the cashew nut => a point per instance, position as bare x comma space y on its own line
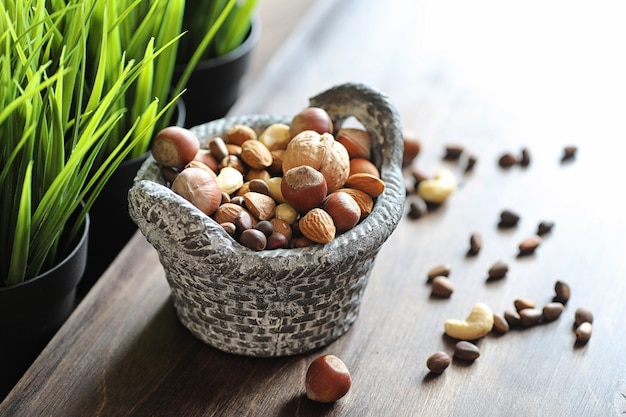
438, 189
477, 324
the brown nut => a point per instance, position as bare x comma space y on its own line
200, 188
260, 205
318, 226
362, 165
303, 187
321, 152
466, 351
174, 147
275, 136
255, 154
368, 183
365, 202
438, 362
238, 134
311, 118
343, 209
327, 379
442, 287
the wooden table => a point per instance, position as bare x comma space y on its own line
491, 76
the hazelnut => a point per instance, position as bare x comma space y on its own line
175, 147
343, 209
311, 118
327, 379
303, 187
200, 188
363, 166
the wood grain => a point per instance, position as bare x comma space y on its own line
487, 76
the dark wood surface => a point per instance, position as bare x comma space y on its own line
491, 76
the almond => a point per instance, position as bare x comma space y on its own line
227, 212
367, 183
260, 205
255, 154
318, 226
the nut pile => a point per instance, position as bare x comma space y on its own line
283, 187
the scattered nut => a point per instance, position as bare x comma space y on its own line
476, 244
523, 303
438, 362
544, 227
530, 316
552, 311
497, 271
529, 245
500, 324
327, 379
582, 315
466, 351
583, 332
508, 219
507, 160
477, 324
439, 270
442, 287
438, 189
453, 152
562, 292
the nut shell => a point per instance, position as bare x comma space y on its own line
321, 152
318, 226
327, 379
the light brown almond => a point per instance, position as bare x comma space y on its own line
367, 183
260, 205
318, 226
255, 154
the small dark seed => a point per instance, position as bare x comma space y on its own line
230, 228
583, 332
523, 303
530, 316
562, 292
266, 227
277, 240
569, 153
476, 243
498, 270
508, 219
453, 152
529, 245
513, 318
524, 158
442, 287
552, 311
439, 270
242, 222
416, 209
438, 362
500, 324
583, 315
544, 228
466, 351
259, 186
507, 160
253, 239
471, 162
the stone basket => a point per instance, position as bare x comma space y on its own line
274, 302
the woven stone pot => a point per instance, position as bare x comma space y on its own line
273, 302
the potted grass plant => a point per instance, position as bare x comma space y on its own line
57, 115
140, 27
213, 83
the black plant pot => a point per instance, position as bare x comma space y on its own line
33, 311
111, 225
214, 85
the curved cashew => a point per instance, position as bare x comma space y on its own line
477, 324
438, 189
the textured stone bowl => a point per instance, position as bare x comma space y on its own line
274, 302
